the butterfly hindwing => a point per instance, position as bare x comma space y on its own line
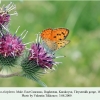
61, 44
50, 45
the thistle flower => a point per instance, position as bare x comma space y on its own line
11, 47
39, 54
5, 16
38, 59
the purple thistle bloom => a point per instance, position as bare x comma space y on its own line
39, 54
4, 14
11, 45
4, 18
37, 61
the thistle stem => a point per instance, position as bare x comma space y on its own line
10, 75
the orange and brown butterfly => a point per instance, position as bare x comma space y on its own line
55, 38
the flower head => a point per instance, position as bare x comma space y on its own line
39, 54
38, 59
11, 45
4, 18
4, 14
11, 48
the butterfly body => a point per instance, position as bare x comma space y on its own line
55, 38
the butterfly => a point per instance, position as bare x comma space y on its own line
54, 39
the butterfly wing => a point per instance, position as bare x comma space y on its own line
55, 34
50, 45
46, 34
61, 44
55, 38
59, 34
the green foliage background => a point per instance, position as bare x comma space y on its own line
81, 66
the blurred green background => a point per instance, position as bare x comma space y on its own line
81, 66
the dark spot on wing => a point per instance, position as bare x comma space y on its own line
60, 39
64, 36
63, 33
58, 34
61, 46
54, 36
59, 43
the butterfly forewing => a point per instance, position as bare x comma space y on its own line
46, 34
59, 34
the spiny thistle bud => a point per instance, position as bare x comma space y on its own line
11, 47
5, 16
